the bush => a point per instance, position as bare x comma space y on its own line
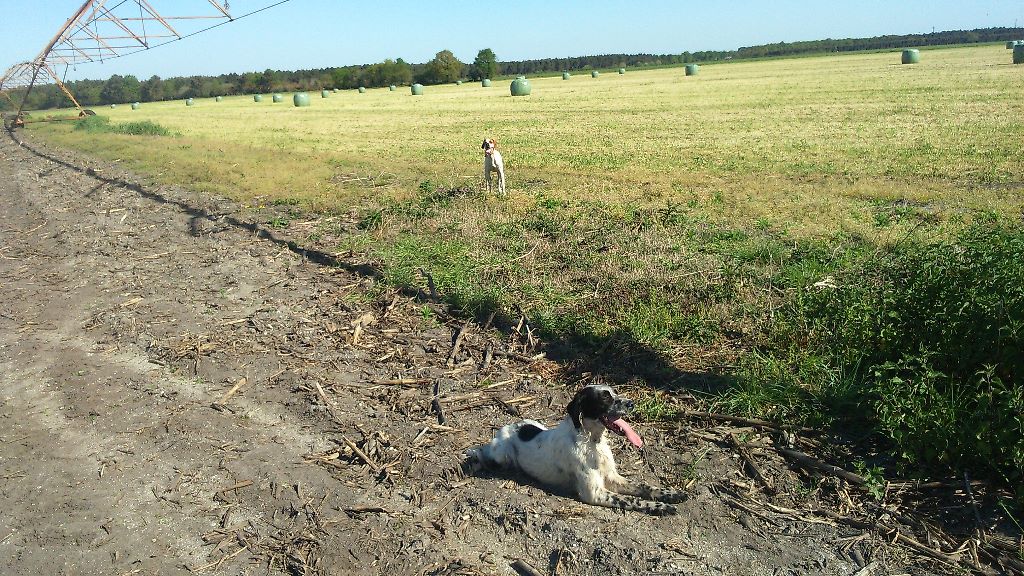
928, 339
101, 124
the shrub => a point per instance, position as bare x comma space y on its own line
928, 339
101, 124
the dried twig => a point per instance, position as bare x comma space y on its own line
810, 462
435, 403
430, 283
518, 356
362, 455
238, 385
746, 421
458, 342
523, 568
755, 470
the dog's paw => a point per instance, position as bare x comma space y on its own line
471, 463
672, 497
662, 509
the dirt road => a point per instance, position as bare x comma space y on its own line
184, 391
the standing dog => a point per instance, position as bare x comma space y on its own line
574, 456
493, 163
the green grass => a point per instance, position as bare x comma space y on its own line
789, 227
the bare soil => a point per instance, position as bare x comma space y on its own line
128, 312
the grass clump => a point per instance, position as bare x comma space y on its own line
101, 124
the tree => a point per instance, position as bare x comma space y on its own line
445, 67
132, 89
113, 90
485, 65
152, 90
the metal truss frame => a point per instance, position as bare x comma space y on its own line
100, 30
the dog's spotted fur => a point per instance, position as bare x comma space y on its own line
574, 456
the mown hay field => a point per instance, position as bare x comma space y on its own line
807, 145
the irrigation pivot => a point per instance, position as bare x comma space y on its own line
100, 30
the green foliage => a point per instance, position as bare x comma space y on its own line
875, 479
444, 68
484, 66
929, 340
101, 124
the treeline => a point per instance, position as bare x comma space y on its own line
445, 67
882, 42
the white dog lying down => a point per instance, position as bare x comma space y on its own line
574, 456
493, 163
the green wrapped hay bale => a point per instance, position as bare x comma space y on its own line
257, 98
300, 99
189, 102
520, 87
277, 98
113, 105
362, 90
135, 105
595, 74
392, 87
485, 83
417, 89
458, 82
911, 56
565, 76
692, 69
622, 70
324, 93
219, 98
335, 90
1018, 53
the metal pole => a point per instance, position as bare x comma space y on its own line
40, 60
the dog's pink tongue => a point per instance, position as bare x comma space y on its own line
631, 434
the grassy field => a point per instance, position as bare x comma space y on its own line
805, 145
791, 228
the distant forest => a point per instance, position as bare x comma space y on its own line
445, 68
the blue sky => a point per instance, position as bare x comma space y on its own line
325, 33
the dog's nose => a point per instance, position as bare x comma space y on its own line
625, 405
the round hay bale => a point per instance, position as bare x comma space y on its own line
911, 56
392, 88
325, 93
1018, 53
257, 97
520, 87
335, 90
458, 82
300, 99
113, 105
277, 98
594, 74
485, 83
135, 105
566, 76
622, 70
692, 69
189, 102
417, 89
362, 90
219, 98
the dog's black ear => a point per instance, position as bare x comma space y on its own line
575, 410
484, 145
